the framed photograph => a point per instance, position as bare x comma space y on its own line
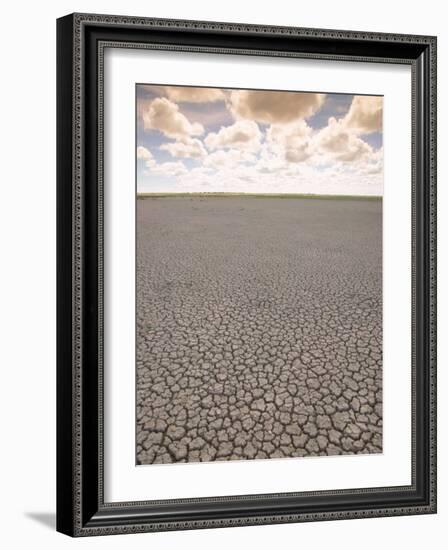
246, 274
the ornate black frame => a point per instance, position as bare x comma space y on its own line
81, 39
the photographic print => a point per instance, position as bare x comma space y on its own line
259, 274
240, 275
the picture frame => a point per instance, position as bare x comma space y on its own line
81, 506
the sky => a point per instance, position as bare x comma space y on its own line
192, 139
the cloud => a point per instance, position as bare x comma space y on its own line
298, 154
270, 163
365, 115
203, 105
144, 154
293, 140
264, 142
215, 116
247, 178
188, 148
225, 174
168, 169
374, 163
228, 158
244, 134
274, 107
340, 143
188, 94
163, 115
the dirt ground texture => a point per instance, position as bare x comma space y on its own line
259, 328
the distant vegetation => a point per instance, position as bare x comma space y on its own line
259, 196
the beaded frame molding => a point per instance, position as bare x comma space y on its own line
81, 40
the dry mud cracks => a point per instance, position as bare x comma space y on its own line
259, 328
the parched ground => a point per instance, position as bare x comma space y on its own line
259, 328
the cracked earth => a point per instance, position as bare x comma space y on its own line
259, 328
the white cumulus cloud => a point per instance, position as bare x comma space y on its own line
188, 148
340, 143
176, 168
244, 134
365, 115
274, 107
164, 115
191, 94
228, 158
265, 142
293, 140
145, 154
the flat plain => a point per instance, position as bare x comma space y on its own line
259, 327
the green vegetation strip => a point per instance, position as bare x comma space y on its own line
258, 196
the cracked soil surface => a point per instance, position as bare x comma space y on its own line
259, 328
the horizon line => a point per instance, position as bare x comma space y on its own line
260, 195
